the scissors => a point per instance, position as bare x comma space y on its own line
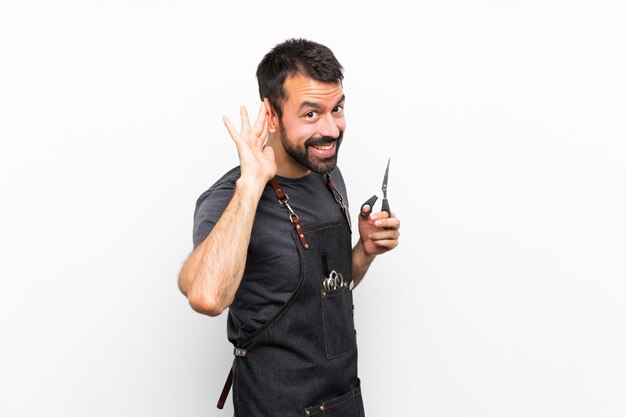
373, 199
334, 281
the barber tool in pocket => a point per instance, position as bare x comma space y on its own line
333, 281
373, 199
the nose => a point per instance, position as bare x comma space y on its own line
328, 126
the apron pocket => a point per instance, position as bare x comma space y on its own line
339, 334
347, 405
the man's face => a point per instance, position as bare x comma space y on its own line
312, 124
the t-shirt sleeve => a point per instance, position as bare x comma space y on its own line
209, 208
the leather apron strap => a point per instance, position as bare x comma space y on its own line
229, 380
225, 390
293, 217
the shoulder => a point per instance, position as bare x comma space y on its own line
335, 174
212, 203
225, 186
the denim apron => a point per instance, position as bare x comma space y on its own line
303, 362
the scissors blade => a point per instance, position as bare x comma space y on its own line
384, 187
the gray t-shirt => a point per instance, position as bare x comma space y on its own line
273, 268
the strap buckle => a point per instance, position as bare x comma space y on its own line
242, 353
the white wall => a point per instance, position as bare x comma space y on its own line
505, 126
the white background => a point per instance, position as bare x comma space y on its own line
505, 123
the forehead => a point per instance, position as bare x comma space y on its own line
300, 89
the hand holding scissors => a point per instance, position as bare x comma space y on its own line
369, 204
379, 232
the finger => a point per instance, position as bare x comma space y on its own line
384, 235
245, 121
262, 137
388, 244
268, 107
231, 129
368, 204
266, 128
390, 223
380, 215
257, 129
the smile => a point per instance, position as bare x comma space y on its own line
324, 150
325, 147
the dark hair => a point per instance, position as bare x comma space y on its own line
295, 57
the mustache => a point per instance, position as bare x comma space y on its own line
323, 140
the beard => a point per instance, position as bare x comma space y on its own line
302, 156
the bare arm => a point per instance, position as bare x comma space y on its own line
212, 273
379, 233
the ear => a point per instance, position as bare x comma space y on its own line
273, 122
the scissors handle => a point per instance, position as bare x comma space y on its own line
370, 203
385, 207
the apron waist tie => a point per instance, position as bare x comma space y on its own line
225, 390
229, 380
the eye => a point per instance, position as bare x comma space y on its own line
309, 115
338, 109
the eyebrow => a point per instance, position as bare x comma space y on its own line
316, 106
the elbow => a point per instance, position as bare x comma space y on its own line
202, 298
205, 305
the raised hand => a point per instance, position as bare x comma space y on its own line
257, 161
